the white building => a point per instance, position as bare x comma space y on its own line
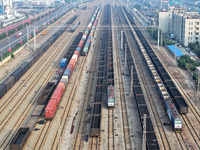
184, 25
7, 6
164, 21
42, 2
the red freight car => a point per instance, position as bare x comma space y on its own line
57, 96
50, 109
62, 84
73, 62
77, 53
70, 66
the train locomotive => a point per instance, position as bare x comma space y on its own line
111, 96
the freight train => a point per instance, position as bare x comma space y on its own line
7, 84
170, 108
139, 96
23, 133
65, 71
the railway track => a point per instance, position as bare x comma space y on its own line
190, 120
192, 131
41, 66
161, 133
189, 137
57, 134
122, 93
181, 141
81, 127
60, 130
111, 141
94, 143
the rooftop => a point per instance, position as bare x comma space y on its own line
175, 50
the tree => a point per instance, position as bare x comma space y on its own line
12, 55
182, 63
195, 75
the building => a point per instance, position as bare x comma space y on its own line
42, 2
183, 25
7, 7
164, 21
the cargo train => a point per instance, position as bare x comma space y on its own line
169, 106
171, 110
20, 71
66, 72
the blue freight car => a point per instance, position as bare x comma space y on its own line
63, 63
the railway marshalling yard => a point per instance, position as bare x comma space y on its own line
82, 119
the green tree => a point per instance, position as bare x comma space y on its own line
181, 63
195, 75
12, 55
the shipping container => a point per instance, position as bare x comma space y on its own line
64, 79
80, 45
87, 44
82, 42
73, 62
63, 63
50, 109
85, 49
62, 85
78, 49
67, 72
84, 37
61, 88
85, 34
75, 56
70, 66
57, 95
77, 53
89, 40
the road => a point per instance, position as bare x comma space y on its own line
13, 40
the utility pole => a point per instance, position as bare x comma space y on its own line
144, 133
121, 39
127, 3
161, 4
27, 39
131, 92
198, 86
158, 37
161, 38
126, 55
